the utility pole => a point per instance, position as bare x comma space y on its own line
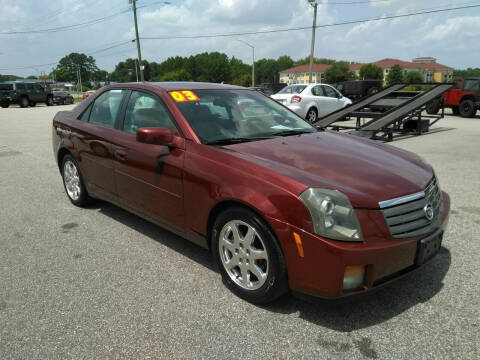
312, 47
134, 7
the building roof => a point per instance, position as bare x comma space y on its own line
306, 68
388, 63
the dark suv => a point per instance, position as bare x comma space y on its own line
357, 89
24, 94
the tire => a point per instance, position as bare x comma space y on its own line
64, 102
264, 278
311, 116
432, 107
5, 104
455, 110
73, 182
373, 90
32, 103
49, 101
24, 102
467, 108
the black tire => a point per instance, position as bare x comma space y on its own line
5, 104
24, 102
455, 110
467, 108
373, 90
311, 115
49, 101
64, 102
83, 198
432, 107
32, 103
275, 283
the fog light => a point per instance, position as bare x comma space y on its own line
353, 277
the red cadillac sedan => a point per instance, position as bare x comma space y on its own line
281, 205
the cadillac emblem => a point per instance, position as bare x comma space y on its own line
429, 213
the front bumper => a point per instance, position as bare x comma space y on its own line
320, 272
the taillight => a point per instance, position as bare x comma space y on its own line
295, 99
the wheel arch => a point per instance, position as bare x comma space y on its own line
467, 97
60, 155
226, 204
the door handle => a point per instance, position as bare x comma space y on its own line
121, 155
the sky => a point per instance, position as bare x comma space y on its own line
450, 37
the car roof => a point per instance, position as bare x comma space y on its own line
181, 85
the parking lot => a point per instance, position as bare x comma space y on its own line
102, 283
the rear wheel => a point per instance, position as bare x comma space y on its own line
311, 115
24, 102
73, 182
49, 101
5, 104
248, 256
467, 108
432, 107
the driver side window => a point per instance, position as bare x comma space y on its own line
145, 110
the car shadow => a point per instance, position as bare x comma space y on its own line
157, 233
369, 309
344, 315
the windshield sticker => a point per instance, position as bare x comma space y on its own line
183, 96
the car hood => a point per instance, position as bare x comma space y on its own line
365, 171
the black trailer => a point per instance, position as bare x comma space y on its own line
396, 110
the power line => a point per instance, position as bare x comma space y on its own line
66, 27
307, 27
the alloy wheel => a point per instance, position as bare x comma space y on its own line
71, 179
243, 255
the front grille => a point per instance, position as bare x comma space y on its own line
406, 216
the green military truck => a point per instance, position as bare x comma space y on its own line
24, 94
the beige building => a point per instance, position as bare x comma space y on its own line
427, 66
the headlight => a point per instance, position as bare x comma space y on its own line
332, 214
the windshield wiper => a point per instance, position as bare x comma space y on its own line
236, 140
292, 132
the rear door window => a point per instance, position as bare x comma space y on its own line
317, 91
329, 91
146, 110
105, 108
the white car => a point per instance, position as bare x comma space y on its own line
311, 101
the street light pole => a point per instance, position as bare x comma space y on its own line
134, 7
253, 59
312, 46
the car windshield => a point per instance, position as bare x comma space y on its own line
237, 116
292, 89
6, 87
471, 85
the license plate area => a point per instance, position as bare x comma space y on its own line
428, 247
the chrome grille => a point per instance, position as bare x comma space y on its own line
406, 216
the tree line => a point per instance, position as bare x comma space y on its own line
217, 67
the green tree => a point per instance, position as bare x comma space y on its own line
266, 71
316, 60
31, 77
125, 71
395, 75
240, 72
371, 72
284, 62
177, 75
466, 73
414, 77
68, 66
339, 71
9, 77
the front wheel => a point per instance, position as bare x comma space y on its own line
73, 182
24, 102
5, 104
248, 256
467, 108
311, 115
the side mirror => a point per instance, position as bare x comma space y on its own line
159, 136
